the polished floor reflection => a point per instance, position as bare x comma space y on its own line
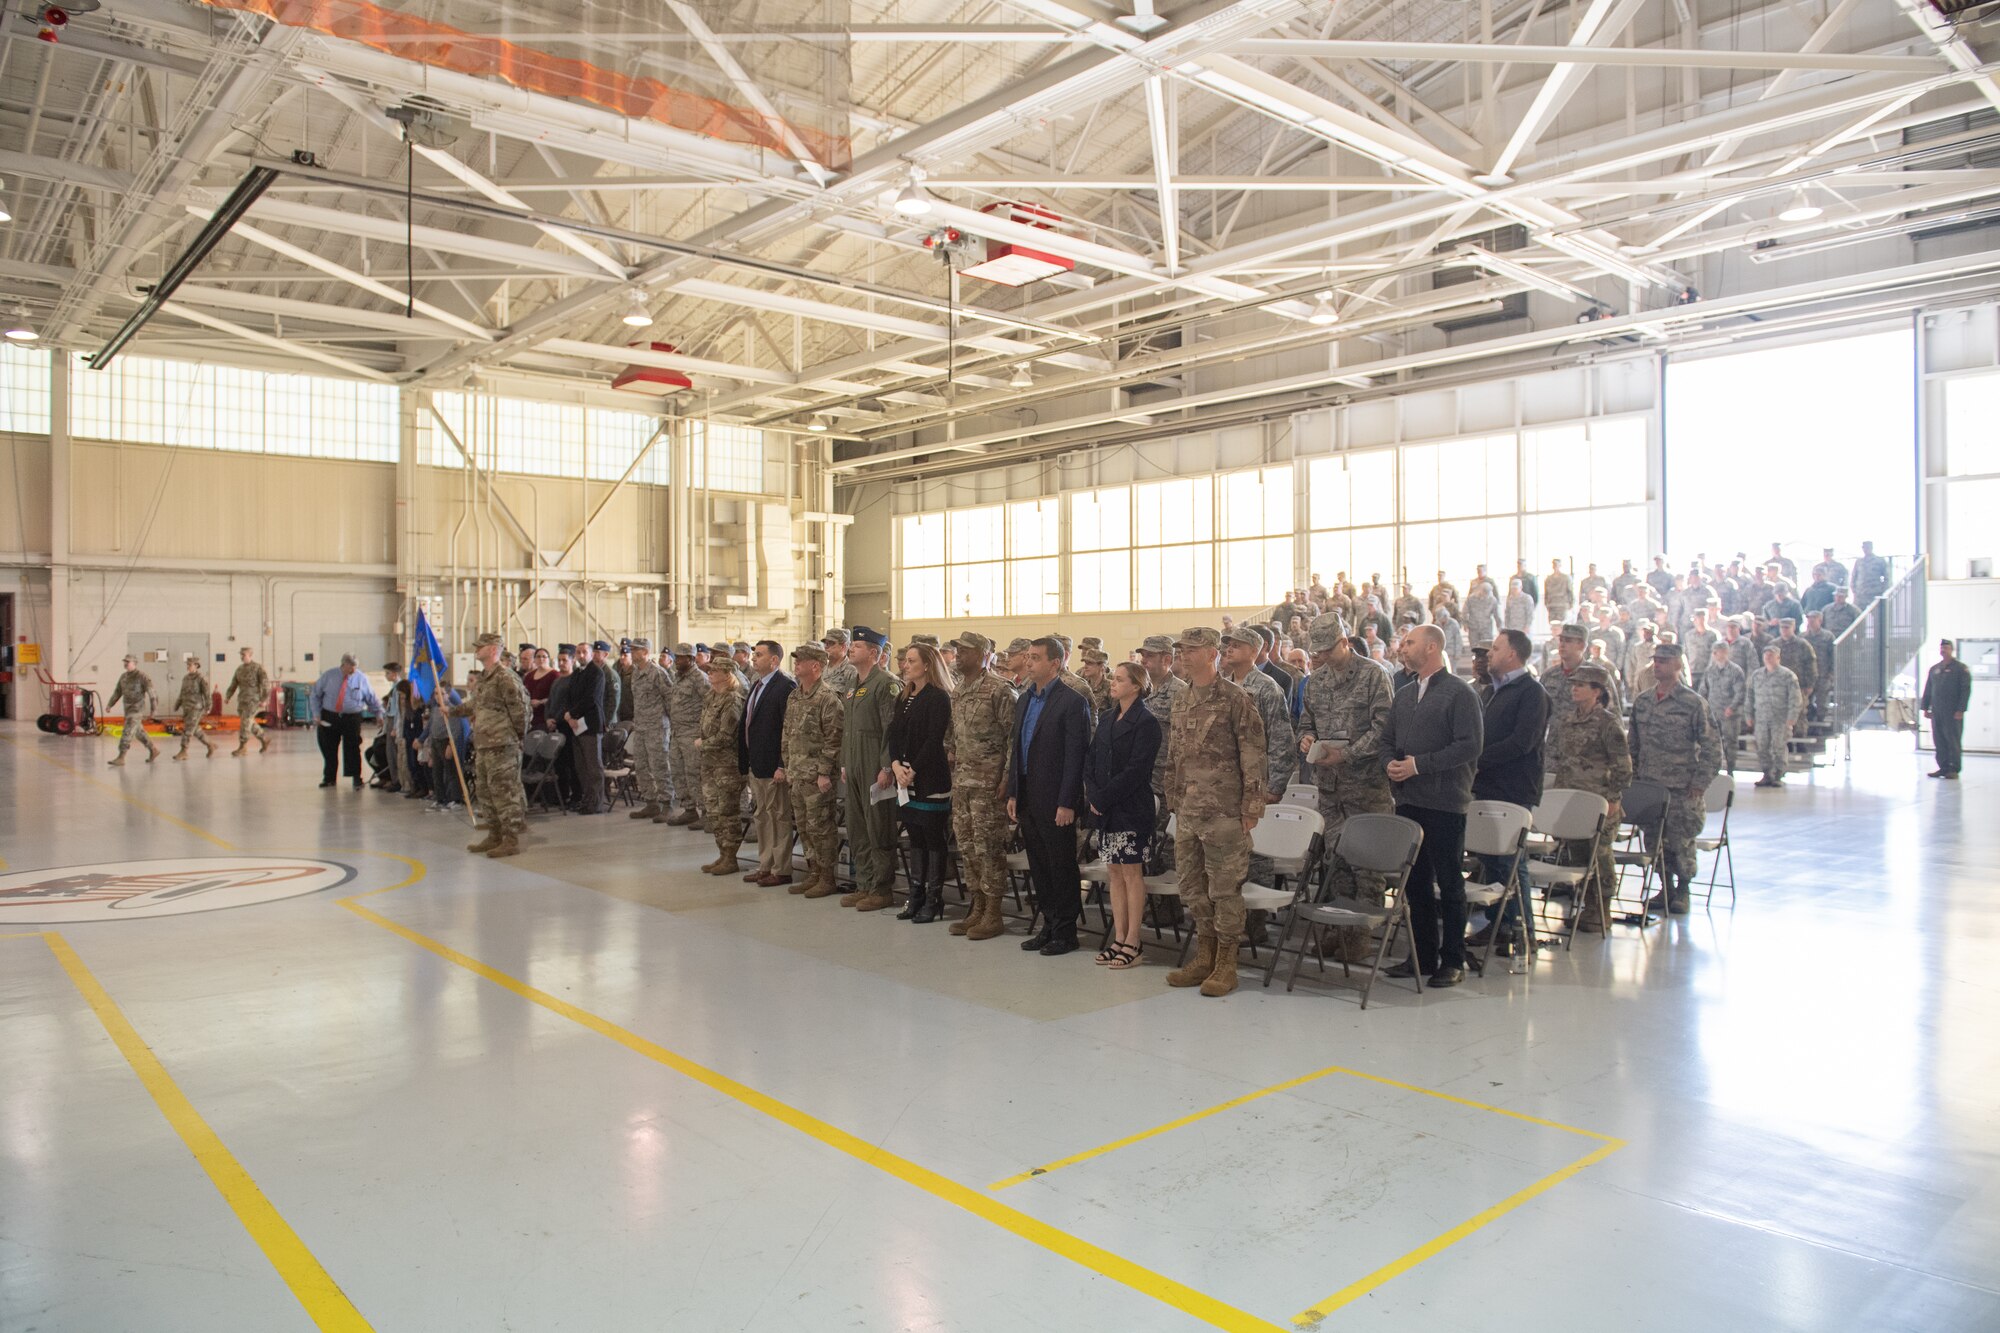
592, 1089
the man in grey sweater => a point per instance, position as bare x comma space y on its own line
1432, 742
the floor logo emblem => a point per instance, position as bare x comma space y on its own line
123, 890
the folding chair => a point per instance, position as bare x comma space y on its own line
1566, 815
1499, 828
1722, 792
1384, 845
619, 779
1641, 842
1302, 793
538, 762
1290, 838
1166, 884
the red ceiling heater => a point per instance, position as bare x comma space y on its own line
654, 380
1013, 265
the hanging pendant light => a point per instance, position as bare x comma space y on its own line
1323, 311
636, 313
1800, 209
1022, 378
18, 328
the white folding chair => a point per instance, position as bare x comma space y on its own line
1302, 793
1167, 885
1722, 793
1499, 828
1384, 845
1566, 815
1641, 841
1289, 836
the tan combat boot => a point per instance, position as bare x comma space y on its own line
509, 846
1223, 979
849, 899
973, 911
119, 762
485, 844
875, 902
646, 811
723, 864
263, 744
241, 746
822, 887
988, 923
183, 754
1200, 966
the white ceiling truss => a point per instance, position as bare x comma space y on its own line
1221, 171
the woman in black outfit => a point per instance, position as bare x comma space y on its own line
1118, 783
917, 737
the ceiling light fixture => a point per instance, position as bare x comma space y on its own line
1023, 378
1323, 311
817, 425
911, 200
636, 313
1800, 209
5, 216
18, 329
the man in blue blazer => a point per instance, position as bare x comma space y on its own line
1045, 792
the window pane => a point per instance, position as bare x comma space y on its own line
1558, 464
1032, 528
1100, 520
1374, 550
1173, 511
1971, 428
1969, 507
1618, 463
1420, 483
1033, 587
24, 389
922, 539
1174, 578
1257, 503
977, 534
923, 595
978, 590
1101, 582
1255, 573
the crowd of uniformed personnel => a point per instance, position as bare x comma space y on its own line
1345, 686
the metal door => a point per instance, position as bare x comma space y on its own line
161, 657
1982, 715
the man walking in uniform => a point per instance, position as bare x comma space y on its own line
1216, 774
134, 693
499, 712
982, 731
864, 767
1947, 691
193, 706
250, 687
1674, 743
651, 691
811, 753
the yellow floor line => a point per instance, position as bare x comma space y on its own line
23, 935
1200, 1305
321, 1296
133, 801
1186, 1120
1354, 1291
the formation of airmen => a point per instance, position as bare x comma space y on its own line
133, 695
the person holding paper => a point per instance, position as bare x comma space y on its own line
864, 770
583, 718
1340, 742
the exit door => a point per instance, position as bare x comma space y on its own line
1982, 715
163, 658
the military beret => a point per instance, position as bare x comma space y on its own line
1667, 649
978, 643
647, 644
683, 650
862, 634
1200, 636
835, 636
811, 652
492, 641
701, 648
599, 645
1246, 635
1157, 643
1592, 675
1322, 638
569, 648
1573, 632
1019, 646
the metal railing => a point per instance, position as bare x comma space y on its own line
1877, 647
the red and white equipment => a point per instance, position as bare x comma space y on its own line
653, 379
1013, 265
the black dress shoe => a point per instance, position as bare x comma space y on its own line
1936, 773
1951, 777
1447, 976
1402, 971
327, 783
1060, 945
1036, 942
357, 784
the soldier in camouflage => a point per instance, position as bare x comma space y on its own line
982, 736
1216, 770
810, 755
722, 782
1774, 703
841, 677
1674, 743
134, 694
1699, 644
1722, 689
1572, 644
1074, 681
1871, 576
1820, 701
651, 691
1239, 664
1096, 665
1558, 594
250, 687
1586, 751
1841, 615
685, 703
499, 711
192, 705
1346, 706
1157, 655
864, 763
1797, 655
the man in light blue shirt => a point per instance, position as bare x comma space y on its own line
340, 697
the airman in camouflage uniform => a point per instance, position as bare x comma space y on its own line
1481, 615
1774, 704
810, 755
1586, 751
133, 693
250, 687
1842, 614
192, 705
982, 736
1281, 755
499, 710
1346, 705
1797, 655
722, 782
1558, 594
1076, 682
651, 690
841, 677
1096, 675
1871, 576
1820, 640
1674, 743
1699, 644
1157, 653
1216, 770
684, 708
1722, 689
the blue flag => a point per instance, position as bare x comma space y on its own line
426, 660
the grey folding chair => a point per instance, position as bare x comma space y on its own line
1641, 842
539, 750
1568, 815
1499, 828
1290, 837
1384, 845
1722, 796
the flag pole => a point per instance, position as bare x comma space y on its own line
451, 743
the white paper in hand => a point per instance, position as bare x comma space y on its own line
579, 726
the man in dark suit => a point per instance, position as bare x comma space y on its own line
1510, 764
760, 754
583, 719
1045, 790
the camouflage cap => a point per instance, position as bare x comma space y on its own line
739, 647
978, 643
835, 635
1019, 646
1323, 636
1787, 620
488, 641
1090, 641
1592, 675
929, 639
647, 644
1575, 632
810, 652
1667, 649
683, 650
1157, 643
1246, 635
721, 666
1097, 655
1200, 636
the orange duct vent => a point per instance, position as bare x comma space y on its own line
444, 47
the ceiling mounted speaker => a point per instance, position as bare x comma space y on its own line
426, 123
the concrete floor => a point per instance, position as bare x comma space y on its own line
591, 1089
